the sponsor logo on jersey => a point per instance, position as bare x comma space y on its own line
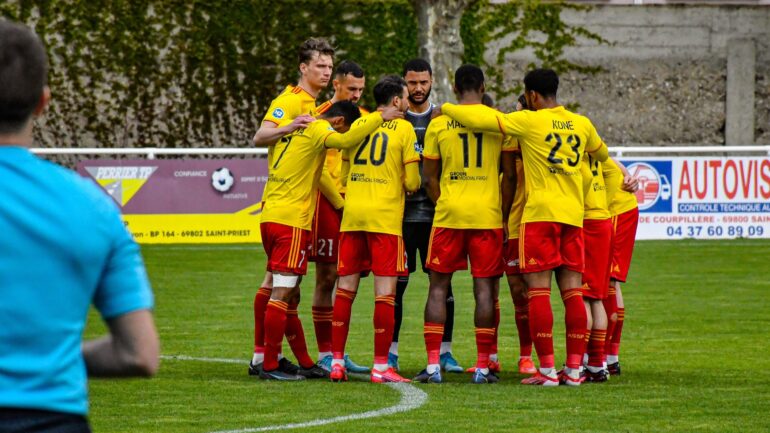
361, 177
461, 175
278, 113
121, 183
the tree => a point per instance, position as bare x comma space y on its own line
452, 32
440, 41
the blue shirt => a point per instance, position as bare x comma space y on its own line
63, 246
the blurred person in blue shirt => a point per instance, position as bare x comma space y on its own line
63, 247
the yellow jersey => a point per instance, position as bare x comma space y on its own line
619, 201
596, 207
291, 103
514, 218
552, 142
470, 168
374, 201
292, 182
333, 156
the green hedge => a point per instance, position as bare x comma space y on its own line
181, 73
191, 73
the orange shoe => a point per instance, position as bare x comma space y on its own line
541, 380
526, 366
338, 374
494, 367
386, 376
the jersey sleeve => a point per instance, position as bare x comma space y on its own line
516, 123
408, 154
510, 144
431, 148
612, 178
476, 117
355, 135
594, 141
284, 107
124, 286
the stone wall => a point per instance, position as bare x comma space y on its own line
665, 72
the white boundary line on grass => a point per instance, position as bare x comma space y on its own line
411, 398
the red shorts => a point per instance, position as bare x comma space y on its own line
287, 248
450, 249
549, 245
597, 235
381, 253
326, 231
511, 257
624, 235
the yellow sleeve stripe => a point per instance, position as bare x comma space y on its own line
411, 161
434, 158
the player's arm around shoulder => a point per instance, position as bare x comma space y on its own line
269, 132
283, 117
357, 133
476, 117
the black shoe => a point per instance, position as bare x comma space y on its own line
614, 368
600, 376
279, 375
314, 372
254, 369
425, 377
287, 367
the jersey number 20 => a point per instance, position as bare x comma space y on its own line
374, 140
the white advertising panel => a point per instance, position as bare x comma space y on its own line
702, 197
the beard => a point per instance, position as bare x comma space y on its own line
424, 98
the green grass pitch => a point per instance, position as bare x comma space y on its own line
695, 354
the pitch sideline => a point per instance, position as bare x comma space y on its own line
411, 398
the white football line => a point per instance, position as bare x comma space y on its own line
411, 398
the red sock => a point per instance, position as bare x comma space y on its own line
322, 322
275, 326
611, 307
596, 347
484, 338
260, 304
295, 335
384, 321
541, 325
521, 314
343, 304
615, 345
575, 321
433, 333
493, 348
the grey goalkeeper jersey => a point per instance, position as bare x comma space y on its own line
418, 207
